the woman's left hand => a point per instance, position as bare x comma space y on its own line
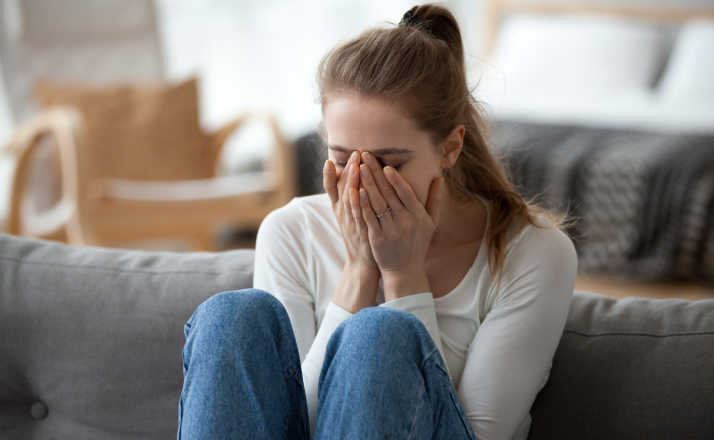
400, 238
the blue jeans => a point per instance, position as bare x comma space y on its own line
382, 377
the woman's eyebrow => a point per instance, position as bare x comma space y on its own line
377, 152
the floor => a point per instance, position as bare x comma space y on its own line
622, 288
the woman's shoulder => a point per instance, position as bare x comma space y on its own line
294, 215
540, 260
542, 242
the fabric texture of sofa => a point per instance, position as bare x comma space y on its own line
90, 343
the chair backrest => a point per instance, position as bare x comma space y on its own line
96, 42
137, 131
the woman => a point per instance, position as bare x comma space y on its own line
419, 297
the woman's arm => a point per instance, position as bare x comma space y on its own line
510, 357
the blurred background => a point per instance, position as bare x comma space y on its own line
178, 124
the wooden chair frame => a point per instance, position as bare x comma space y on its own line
84, 201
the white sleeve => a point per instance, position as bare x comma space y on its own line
422, 306
510, 356
281, 268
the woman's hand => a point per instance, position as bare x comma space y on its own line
358, 286
344, 195
399, 238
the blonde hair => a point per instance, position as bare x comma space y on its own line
419, 64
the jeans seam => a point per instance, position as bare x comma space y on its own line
428, 357
466, 424
453, 397
412, 432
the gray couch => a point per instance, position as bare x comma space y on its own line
90, 342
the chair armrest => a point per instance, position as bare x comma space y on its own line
281, 163
63, 125
219, 137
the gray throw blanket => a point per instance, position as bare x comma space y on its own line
643, 201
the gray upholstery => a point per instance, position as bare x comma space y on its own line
95, 336
632, 368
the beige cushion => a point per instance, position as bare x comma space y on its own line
142, 131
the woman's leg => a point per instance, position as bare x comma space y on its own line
383, 378
242, 375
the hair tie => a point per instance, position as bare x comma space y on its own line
409, 19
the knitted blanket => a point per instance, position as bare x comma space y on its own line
642, 201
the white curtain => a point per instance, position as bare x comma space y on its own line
252, 54
262, 55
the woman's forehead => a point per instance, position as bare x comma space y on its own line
356, 112
369, 124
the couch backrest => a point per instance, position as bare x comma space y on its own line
630, 368
91, 338
90, 343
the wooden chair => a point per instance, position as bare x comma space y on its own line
100, 207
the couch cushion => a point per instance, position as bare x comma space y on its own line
630, 368
91, 338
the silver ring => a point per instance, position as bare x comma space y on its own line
386, 211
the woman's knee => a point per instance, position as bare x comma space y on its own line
382, 326
238, 307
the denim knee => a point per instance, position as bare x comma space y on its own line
231, 310
382, 327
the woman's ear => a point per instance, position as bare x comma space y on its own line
452, 145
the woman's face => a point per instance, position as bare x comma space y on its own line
355, 122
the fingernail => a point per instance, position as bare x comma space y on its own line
363, 170
353, 156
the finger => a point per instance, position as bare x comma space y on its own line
341, 181
432, 203
384, 187
403, 190
329, 180
375, 197
370, 219
357, 211
354, 176
346, 173
379, 205
350, 184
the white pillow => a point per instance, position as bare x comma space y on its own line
689, 75
576, 55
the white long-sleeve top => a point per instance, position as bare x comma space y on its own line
498, 341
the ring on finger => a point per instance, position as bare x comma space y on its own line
385, 212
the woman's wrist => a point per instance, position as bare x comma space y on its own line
362, 272
404, 283
357, 288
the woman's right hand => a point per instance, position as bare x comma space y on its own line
343, 189
357, 287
